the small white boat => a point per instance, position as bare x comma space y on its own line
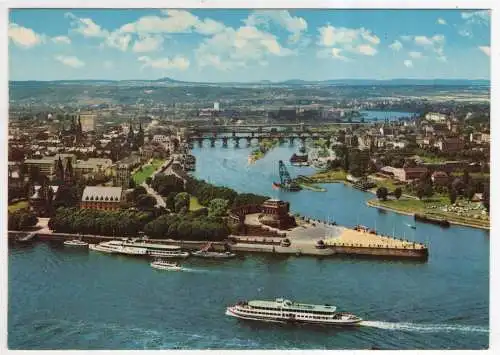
164, 265
76, 243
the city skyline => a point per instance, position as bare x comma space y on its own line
248, 45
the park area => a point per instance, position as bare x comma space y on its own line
18, 206
462, 211
147, 170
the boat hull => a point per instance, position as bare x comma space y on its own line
213, 255
166, 268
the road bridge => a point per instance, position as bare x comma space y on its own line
284, 137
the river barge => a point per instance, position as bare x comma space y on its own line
434, 220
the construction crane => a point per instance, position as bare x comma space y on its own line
286, 182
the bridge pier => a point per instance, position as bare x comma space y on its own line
224, 141
212, 142
237, 142
200, 141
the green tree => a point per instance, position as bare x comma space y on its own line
398, 192
382, 193
149, 180
170, 201
453, 196
420, 192
182, 201
218, 207
145, 202
470, 192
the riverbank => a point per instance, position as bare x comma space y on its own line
264, 146
385, 205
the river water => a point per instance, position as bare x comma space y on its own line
61, 299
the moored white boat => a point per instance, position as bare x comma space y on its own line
286, 311
170, 254
213, 254
117, 247
76, 243
156, 249
103, 248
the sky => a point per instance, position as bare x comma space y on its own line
215, 45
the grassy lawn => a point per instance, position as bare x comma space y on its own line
18, 206
329, 176
194, 204
147, 170
424, 206
432, 160
387, 183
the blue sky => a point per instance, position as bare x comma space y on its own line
248, 45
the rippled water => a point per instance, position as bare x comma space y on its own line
67, 299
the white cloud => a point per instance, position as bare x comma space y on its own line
86, 26
61, 39
366, 49
118, 40
295, 25
148, 44
408, 63
24, 37
209, 27
178, 62
70, 61
396, 46
108, 64
432, 44
465, 32
423, 41
441, 21
415, 55
485, 49
235, 48
353, 40
335, 52
405, 38
477, 17
176, 21
330, 36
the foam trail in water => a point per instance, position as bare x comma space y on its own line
186, 269
426, 328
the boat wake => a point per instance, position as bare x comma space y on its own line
426, 328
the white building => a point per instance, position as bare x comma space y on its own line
436, 117
160, 138
88, 121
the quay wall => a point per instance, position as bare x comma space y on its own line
381, 252
251, 246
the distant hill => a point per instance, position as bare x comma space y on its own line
292, 82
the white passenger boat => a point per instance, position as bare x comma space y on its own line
117, 247
164, 265
76, 243
103, 248
213, 254
169, 254
156, 249
286, 311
